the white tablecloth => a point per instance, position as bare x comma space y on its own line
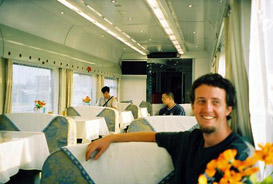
35, 122
125, 118
171, 123
88, 111
21, 150
124, 163
90, 128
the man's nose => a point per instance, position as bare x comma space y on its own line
208, 106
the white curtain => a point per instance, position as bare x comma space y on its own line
8, 87
100, 84
62, 91
69, 87
261, 71
215, 66
236, 70
119, 89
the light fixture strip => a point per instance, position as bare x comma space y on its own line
90, 19
164, 23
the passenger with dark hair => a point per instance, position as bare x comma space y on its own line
171, 107
107, 100
212, 99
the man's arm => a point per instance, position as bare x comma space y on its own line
114, 103
101, 145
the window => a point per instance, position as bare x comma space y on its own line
113, 85
30, 84
83, 85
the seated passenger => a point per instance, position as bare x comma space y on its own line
107, 100
212, 99
171, 107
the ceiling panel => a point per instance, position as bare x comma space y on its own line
198, 25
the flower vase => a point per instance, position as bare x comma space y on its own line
44, 110
36, 109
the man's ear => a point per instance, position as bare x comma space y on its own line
229, 110
192, 107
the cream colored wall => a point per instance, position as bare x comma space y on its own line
133, 87
2, 85
200, 66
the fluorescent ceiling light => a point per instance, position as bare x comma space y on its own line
69, 5
111, 30
94, 10
108, 21
155, 6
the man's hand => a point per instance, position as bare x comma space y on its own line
100, 146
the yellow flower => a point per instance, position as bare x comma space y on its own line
236, 171
232, 177
39, 104
202, 179
265, 154
87, 99
211, 168
250, 171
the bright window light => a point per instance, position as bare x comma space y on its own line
112, 84
83, 85
30, 84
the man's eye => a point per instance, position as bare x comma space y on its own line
201, 101
216, 102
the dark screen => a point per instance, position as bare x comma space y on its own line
134, 67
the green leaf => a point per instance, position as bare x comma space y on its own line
267, 180
253, 178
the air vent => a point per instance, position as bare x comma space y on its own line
164, 55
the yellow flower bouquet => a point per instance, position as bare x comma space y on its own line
87, 100
238, 172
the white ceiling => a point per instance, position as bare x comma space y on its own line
43, 18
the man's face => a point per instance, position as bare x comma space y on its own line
165, 99
210, 108
106, 94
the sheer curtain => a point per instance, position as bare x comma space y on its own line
62, 90
8, 90
100, 84
236, 70
119, 84
69, 87
261, 72
215, 66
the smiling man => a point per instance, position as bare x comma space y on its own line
212, 99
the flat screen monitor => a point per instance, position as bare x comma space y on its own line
134, 67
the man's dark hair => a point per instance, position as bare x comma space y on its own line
169, 94
216, 80
105, 89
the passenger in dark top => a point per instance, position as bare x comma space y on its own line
171, 107
212, 99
